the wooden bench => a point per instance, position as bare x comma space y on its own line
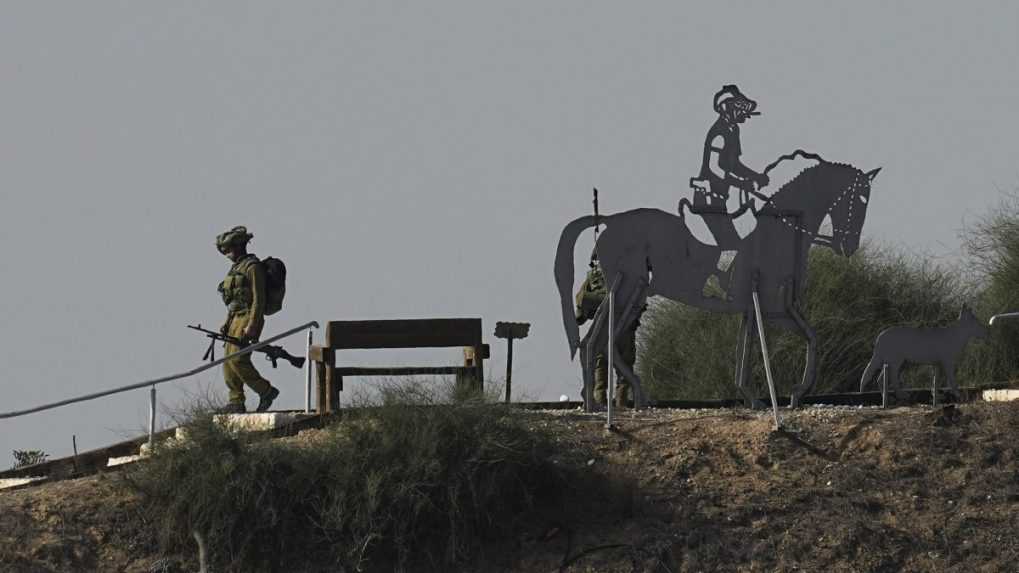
415, 333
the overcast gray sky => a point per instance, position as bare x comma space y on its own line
420, 159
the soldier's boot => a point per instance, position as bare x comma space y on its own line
600, 394
622, 396
265, 400
601, 380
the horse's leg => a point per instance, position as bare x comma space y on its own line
895, 383
629, 316
743, 356
585, 393
951, 386
810, 369
639, 398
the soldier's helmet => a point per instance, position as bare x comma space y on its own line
237, 236
729, 98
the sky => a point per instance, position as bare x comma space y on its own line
412, 160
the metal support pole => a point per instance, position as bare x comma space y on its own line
884, 385
152, 417
308, 366
767, 360
611, 390
509, 367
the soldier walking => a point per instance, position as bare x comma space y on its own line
244, 293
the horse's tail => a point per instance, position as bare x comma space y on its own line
564, 275
869, 371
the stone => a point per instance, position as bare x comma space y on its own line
123, 460
15, 482
1000, 395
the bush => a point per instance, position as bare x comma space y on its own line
992, 243
412, 482
688, 353
24, 458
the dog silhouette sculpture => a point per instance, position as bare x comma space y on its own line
938, 346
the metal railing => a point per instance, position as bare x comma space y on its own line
154, 382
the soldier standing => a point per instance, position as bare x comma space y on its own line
589, 298
244, 293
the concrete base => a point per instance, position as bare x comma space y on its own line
256, 422
234, 422
1000, 395
15, 482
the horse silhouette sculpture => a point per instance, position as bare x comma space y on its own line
648, 252
939, 346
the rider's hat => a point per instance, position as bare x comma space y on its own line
730, 94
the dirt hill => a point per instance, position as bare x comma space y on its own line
840, 489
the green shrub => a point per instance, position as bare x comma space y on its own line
992, 246
411, 482
24, 458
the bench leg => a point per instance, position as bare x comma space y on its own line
333, 385
321, 398
479, 376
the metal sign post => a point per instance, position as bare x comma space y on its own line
511, 331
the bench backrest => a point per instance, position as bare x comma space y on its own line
413, 333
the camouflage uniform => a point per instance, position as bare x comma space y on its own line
588, 299
243, 292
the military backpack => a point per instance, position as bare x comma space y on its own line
591, 293
236, 290
275, 284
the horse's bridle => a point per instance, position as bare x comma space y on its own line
816, 238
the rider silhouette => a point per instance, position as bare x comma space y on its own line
722, 170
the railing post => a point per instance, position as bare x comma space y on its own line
152, 417
509, 367
308, 365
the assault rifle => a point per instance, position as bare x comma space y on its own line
272, 353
